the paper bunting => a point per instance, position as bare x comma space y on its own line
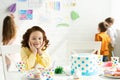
57, 5
63, 25
26, 14
12, 8
22, 0
74, 15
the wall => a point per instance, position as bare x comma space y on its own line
91, 12
115, 12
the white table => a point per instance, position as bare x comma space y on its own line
19, 76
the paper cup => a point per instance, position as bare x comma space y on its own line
100, 59
115, 61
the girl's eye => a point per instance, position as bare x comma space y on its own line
34, 38
39, 38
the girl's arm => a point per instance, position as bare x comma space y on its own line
44, 60
28, 58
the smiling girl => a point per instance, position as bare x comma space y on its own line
34, 44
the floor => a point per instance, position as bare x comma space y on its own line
1, 70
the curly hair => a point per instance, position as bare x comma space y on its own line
9, 29
28, 33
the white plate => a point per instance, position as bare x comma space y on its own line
33, 79
110, 76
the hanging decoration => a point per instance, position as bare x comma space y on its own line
26, 14
74, 15
12, 8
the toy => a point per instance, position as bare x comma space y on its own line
59, 70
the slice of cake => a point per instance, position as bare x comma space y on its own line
112, 71
37, 73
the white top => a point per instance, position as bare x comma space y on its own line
112, 34
117, 45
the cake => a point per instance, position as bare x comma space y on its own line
36, 73
113, 71
85, 63
76, 78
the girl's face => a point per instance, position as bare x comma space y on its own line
36, 39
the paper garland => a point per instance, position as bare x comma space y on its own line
26, 14
12, 8
74, 15
63, 25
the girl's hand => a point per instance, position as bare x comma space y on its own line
32, 48
39, 50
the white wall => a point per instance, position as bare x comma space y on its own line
83, 29
115, 12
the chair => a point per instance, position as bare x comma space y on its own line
12, 50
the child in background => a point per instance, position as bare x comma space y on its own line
111, 31
105, 40
9, 32
34, 44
